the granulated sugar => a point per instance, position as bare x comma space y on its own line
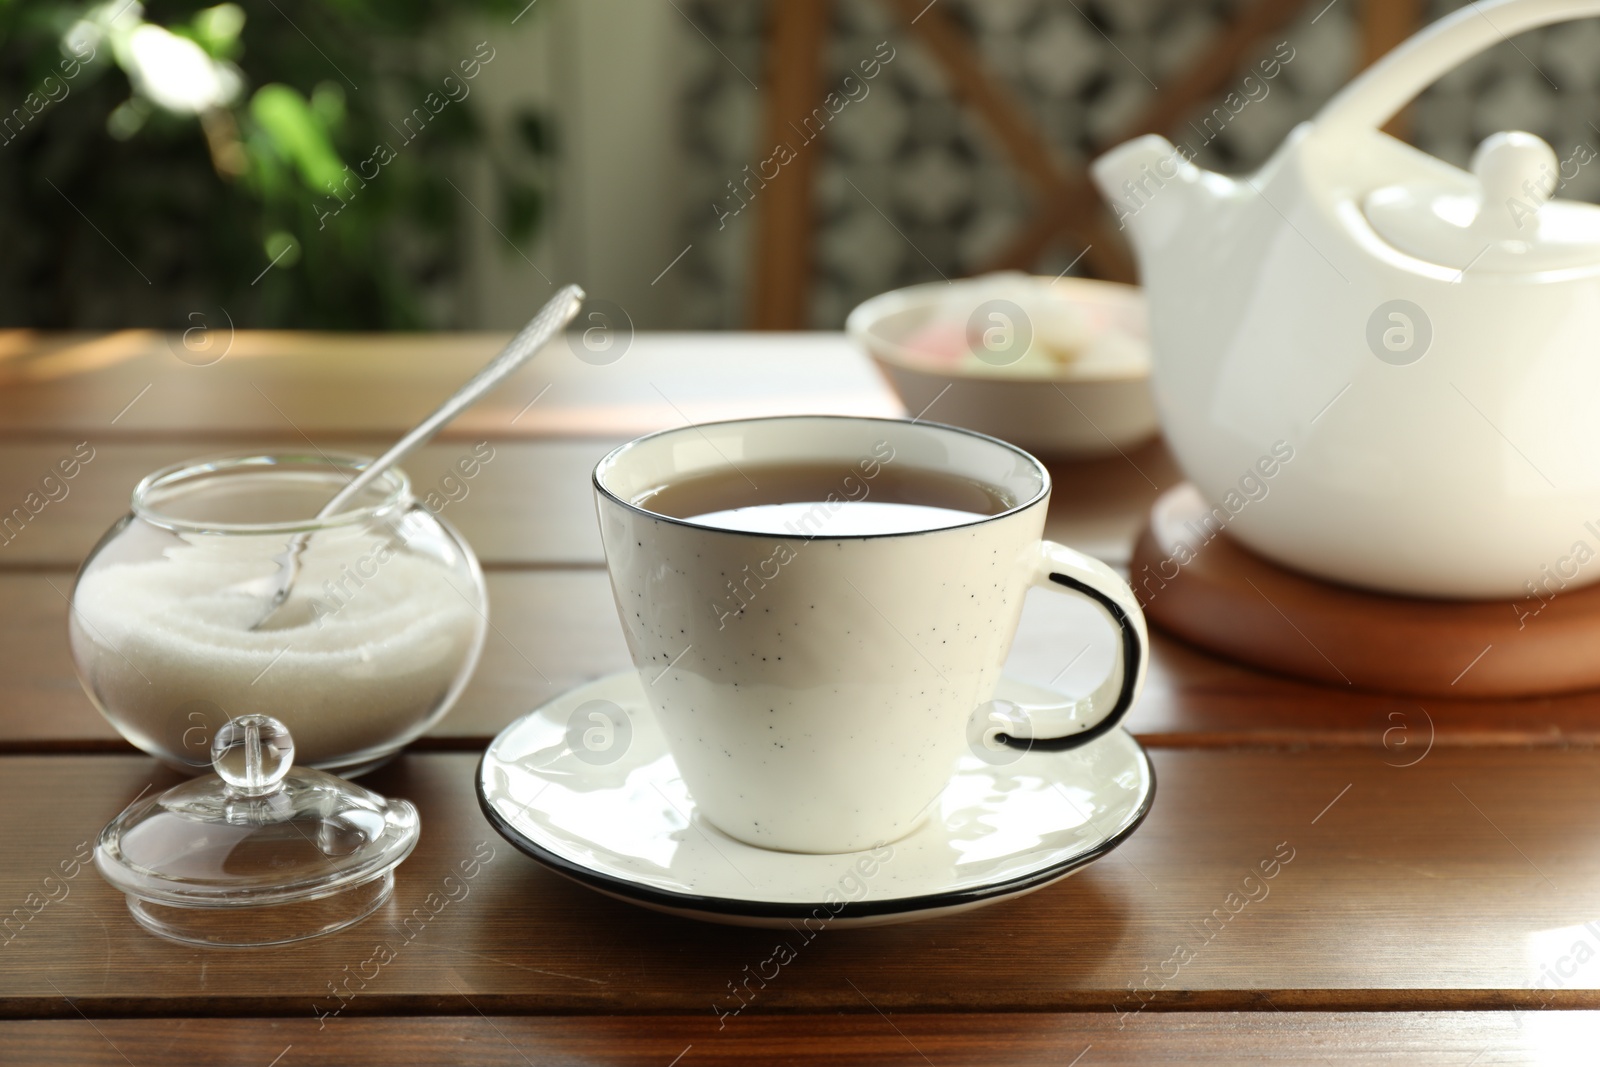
352, 669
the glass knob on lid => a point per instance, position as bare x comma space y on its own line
251, 754
261, 852
1502, 218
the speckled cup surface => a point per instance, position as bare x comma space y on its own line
815, 690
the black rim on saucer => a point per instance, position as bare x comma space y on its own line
861, 909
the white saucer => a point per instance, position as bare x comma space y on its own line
620, 821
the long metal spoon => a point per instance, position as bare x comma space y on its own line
551, 319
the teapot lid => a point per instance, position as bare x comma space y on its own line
1502, 218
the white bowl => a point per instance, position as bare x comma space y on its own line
1074, 408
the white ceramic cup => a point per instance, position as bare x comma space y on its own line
816, 691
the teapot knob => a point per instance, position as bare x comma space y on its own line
1517, 173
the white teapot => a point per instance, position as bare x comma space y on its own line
1412, 350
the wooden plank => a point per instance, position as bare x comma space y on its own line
796, 47
283, 385
557, 629
1463, 882
1412, 1039
552, 630
531, 504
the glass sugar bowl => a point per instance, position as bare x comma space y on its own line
381, 630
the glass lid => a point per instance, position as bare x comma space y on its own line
261, 852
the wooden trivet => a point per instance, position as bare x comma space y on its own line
1231, 602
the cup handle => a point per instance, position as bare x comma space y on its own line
1057, 727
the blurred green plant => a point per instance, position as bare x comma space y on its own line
303, 165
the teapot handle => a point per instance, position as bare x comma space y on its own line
1375, 95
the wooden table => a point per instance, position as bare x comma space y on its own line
1442, 905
